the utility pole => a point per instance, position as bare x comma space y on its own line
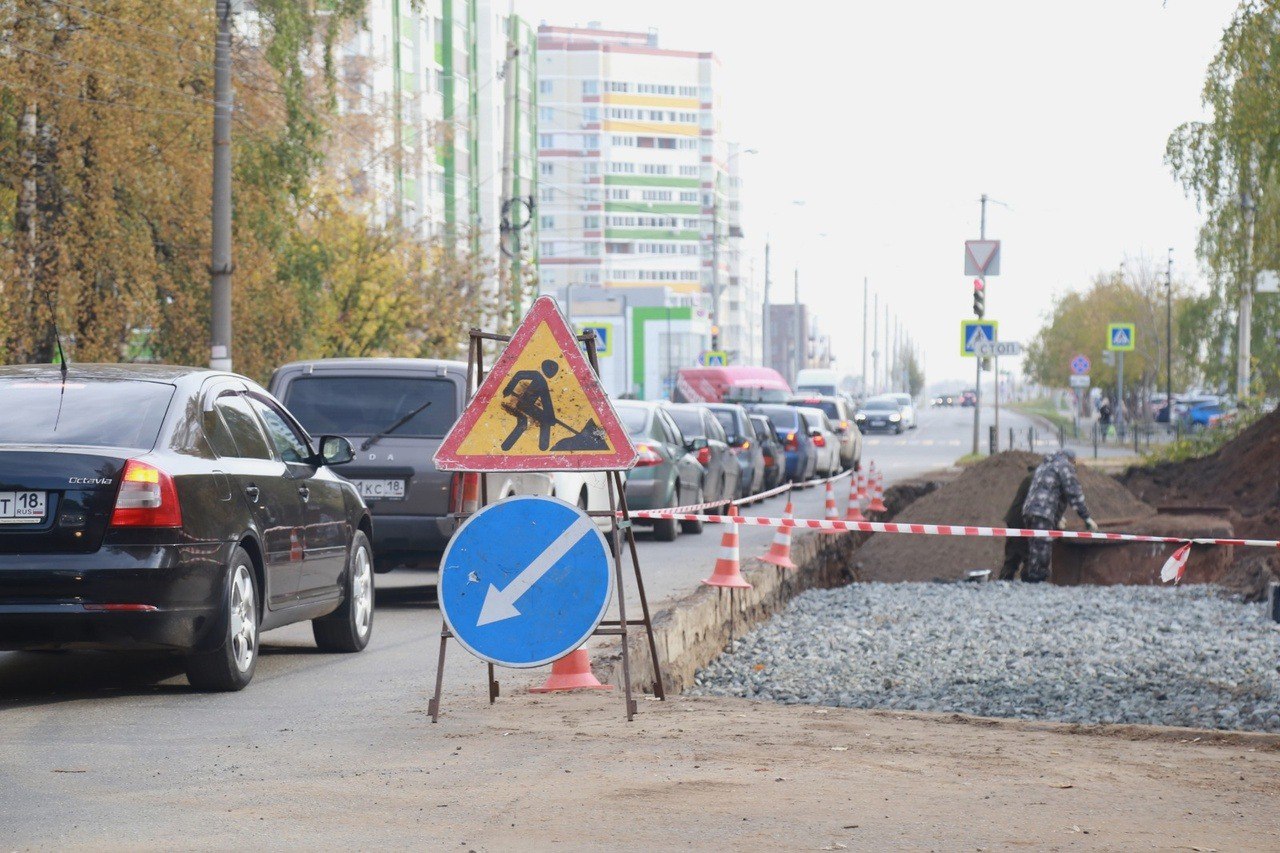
1168, 338
977, 382
864, 336
715, 262
888, 354
764, 339
220, 250
1245, 331
510, 235
875, 343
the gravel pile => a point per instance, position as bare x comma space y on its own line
1191, 656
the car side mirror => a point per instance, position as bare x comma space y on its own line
693, 445
737, 441
814, 433
335, 450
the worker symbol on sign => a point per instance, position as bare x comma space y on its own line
532, 400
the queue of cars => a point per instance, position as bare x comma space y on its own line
184, 509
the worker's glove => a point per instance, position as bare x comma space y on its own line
1062, 524
1091, 524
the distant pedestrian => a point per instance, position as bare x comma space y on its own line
1054, 485
1104, 415
1015, 547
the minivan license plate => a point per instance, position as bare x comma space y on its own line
21, 507
386, 490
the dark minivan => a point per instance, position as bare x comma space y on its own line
395, 411
147, 506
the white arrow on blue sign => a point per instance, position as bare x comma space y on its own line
525, 581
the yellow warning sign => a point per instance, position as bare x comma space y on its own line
541, 408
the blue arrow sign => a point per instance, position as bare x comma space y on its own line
525, 581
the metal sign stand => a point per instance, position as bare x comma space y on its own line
618, 529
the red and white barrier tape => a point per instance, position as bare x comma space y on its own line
777, 490
948, 529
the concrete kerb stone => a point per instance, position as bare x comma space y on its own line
693, 630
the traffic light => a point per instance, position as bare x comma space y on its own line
979, 299
715, 337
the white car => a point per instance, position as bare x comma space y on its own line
826, 441
588, 489
908, 409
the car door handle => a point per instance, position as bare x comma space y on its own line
305, 493
253, 492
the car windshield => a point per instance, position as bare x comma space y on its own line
86, 412
904, 399
364, 405
635, 419
880, 406
728, 421
823, 390
689, 421
784, 417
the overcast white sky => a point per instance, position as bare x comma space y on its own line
889, 119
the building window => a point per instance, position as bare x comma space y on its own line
689, 171
591, 114
689, 196
590, 87
591, 167
547, 194
617, 248
545, 168
616, 86
591, 223
546, 140
656, 195
546, 114
591, 250
616, 168
547, 223
619, 194
544, 87
591, 141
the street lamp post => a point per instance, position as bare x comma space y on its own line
715, 246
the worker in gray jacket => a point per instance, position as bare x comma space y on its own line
1053, 486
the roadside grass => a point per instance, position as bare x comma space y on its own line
1045, 408
1203, 443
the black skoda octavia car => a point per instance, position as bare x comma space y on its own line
146, 506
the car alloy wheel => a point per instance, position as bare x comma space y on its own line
362, 591
244, 618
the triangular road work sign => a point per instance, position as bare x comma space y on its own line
540, 408
982, 257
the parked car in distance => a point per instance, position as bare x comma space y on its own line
396, 412
666, 473
793, 434
823, 434
841, 415
775, 458
744, 447
720, 480
735, 384
880, 413
908, 409
176, 508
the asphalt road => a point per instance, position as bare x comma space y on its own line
90, 738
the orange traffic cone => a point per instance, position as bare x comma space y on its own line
780, 549
571, 672
877, 492
857, 488
831, 514
728, 572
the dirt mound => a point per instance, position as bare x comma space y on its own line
1244, 476
979, 496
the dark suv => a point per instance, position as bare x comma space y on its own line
395, 411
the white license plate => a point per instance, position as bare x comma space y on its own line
21, 507
385, 490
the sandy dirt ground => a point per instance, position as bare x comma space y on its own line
566, 772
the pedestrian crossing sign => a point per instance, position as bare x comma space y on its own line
975, 332
541, 408
1121, 337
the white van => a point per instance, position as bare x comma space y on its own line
821, 381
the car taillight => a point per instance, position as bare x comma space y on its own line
704, 455
647, 456
147, 498
791, 442
819, 441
